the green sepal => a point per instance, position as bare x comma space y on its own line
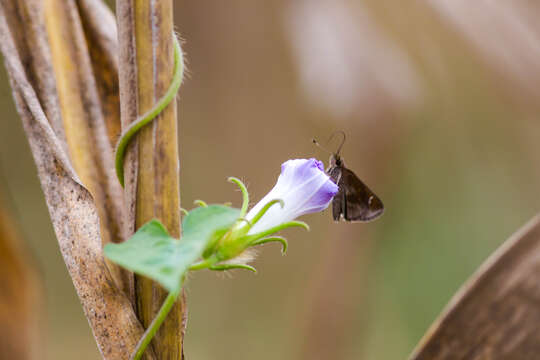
153, 253
205, 263
263, 211
230, 249
245, 194
213, 243
225, 267
217, 237
280, 239
251, 238
200, 203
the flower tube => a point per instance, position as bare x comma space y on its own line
303, 187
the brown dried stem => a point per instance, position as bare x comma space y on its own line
151, 167
84, 124
99, 26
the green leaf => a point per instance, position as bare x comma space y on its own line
153, 253
203, 222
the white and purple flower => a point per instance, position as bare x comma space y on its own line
303, 187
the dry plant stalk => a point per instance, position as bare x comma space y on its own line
89, 147
100, 32
21, 297
51, 120
496, 314
151, 169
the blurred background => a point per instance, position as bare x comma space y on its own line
440, 102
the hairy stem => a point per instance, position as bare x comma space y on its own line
151, 114
154, 326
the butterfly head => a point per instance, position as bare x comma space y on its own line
355, 201
335, 157
336, 160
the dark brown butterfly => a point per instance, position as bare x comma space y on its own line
354, 200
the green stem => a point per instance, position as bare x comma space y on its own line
134, 127
154, 326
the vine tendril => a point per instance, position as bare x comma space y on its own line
147, 117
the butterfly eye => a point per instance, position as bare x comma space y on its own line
370, 200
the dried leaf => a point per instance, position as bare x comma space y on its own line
496, 314
99, 26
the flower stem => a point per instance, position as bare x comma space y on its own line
154, 326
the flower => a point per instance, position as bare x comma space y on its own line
304, 188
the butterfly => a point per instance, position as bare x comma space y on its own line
354, 200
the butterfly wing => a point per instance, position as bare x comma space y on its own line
354, 200
337, 202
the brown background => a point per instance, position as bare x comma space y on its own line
440, 106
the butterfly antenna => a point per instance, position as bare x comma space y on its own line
342, 141
319, 145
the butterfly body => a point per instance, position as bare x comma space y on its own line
354, 200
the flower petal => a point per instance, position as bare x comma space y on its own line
303, 186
